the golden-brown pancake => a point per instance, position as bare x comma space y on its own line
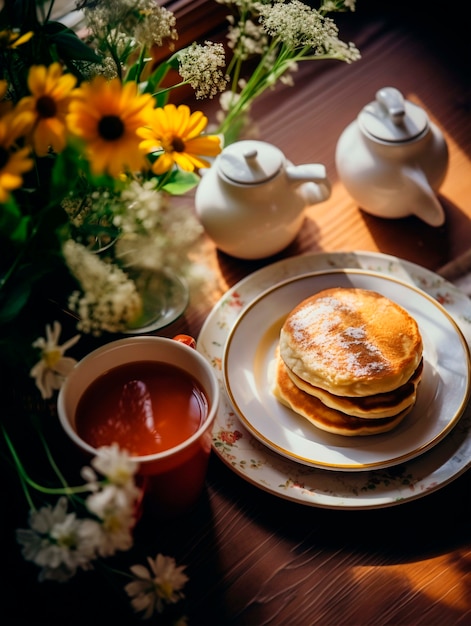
323, 417
351, 342
375, 406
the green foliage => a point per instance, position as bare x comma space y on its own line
51, 41
14, 226
15, 294
179, 182
154, 82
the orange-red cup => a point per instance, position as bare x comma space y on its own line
174, 478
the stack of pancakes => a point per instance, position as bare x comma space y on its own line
350, 361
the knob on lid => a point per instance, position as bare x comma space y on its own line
250, 162
390, 118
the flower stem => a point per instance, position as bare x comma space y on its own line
27, 481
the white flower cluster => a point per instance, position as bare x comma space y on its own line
154, 235
246, 39
138, 210
282, 33
164, 246
259, 24
299, 26
200, 66
157, 27
135, 22
109, 300
61, 542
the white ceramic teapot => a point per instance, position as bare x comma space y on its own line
392, 159
251, 201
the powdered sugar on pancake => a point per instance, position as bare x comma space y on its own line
351, 342
320, 330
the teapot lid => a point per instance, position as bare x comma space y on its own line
392, 119
250, 162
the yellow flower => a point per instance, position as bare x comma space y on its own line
13, 162
178, 133
11, 39
46, 108
105, 115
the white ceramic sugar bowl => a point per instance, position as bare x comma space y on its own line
251, 201
392, 159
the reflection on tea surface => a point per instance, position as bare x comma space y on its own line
145, 407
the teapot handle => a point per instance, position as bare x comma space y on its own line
313, 176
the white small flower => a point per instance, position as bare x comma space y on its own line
90, 477
153, 589
50, 372
247, 39
202, 66
141, 22
110, 300
58, 541
117, 515
227, 99
108, 500
166, 247
115, 464
298, 26
114, 502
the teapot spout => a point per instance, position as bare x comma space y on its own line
424, 202
313, 177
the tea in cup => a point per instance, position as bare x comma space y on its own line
155, 397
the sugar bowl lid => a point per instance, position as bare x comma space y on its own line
391, 118
250, 162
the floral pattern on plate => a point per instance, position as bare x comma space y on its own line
285, 478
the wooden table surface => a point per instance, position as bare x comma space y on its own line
255, 559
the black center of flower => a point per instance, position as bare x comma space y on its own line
4, 157
110, 128
178, 145
46, 107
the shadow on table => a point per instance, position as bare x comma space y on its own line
281, 556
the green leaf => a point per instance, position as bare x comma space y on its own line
155, 79
14, 300
161, 98
70, 46
180, 183
13, 225
16, 292
64, 173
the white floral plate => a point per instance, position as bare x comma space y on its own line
248, 363
291, 480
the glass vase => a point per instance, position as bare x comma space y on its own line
165, 297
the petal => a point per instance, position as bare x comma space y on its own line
64, 366
140, 571
36, 78
209, 145
185, 161
163, 164
196, 124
